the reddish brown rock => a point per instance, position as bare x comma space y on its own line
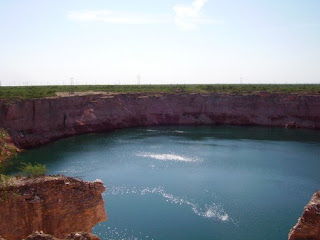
308, 226
38, 121
291, 125
56, 205
40, 236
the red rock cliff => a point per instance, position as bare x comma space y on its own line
35, 122
55, 205
308, 226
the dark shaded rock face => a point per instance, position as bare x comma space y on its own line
308, 226
35, 122
56, 205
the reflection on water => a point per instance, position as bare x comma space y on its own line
221, 182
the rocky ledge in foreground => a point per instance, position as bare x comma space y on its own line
56, 205
72, 236
308, 226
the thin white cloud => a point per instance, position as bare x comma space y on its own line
186, 17
189, 17
115, 17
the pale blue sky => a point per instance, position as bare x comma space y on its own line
167, 41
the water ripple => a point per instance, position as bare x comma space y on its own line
210, 211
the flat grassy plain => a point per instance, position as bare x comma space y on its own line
29, 92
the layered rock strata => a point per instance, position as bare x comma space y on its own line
38, 121
56, 205
308, 226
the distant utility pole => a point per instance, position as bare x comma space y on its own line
0, 82
71, 84
242, 78
138, 79
71, 81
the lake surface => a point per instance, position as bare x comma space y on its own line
219, 183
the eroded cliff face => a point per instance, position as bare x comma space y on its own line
35, 122
56, 205
308, 226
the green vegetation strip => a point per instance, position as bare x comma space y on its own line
28, 170
50, 91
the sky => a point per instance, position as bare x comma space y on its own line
49, 42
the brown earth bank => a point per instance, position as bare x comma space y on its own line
57, 205
35, 122
308, 226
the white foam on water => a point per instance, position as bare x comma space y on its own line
167, 157
177, 131
212, 211
152, 166
165, 131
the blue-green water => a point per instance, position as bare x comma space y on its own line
219, 183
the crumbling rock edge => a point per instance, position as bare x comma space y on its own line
308, 226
